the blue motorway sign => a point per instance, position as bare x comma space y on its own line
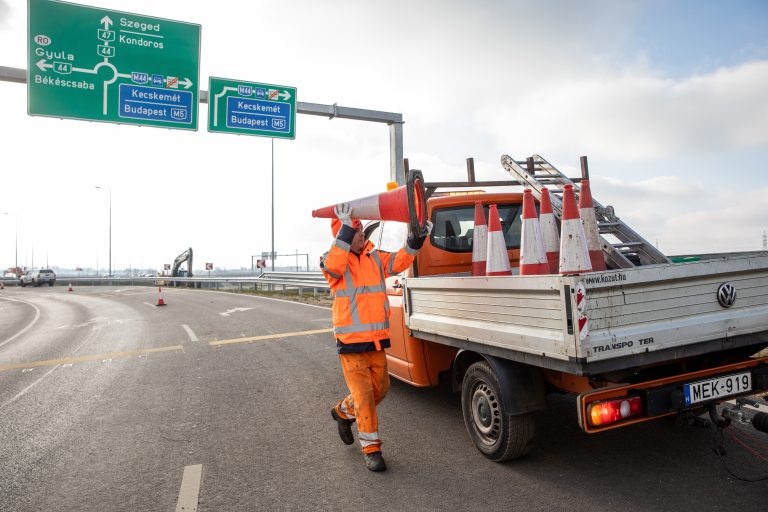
155, 104
250, 108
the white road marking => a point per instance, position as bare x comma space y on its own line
34, 320
233, 310
191, 333
23, 391
190, 489
150, 305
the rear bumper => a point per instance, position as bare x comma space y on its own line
665, 397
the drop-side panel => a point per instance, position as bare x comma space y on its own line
668, 306
519, 313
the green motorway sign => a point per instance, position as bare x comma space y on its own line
250, 108
111, 66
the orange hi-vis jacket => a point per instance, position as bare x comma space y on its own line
360, 305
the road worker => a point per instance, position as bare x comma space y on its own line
356, 271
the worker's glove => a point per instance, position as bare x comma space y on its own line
416, 241
344, 213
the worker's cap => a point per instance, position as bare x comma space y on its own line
336, 225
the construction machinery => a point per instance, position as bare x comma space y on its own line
186, 256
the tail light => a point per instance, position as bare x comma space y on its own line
600, 414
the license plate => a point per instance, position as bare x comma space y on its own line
717, 388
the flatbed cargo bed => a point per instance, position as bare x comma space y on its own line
601, 321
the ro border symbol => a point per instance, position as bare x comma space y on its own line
251, 108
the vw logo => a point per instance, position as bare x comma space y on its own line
726, 295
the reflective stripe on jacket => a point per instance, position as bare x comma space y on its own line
360, 305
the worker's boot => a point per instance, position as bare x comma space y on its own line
374, 461
345, 427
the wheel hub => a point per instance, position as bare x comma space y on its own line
485, 413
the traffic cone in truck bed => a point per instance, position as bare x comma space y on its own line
574, 256
549, 233
479, 241
533, 259
160, 301
498, 259
587, 214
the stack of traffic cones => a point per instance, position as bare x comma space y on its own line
533, 259
588, 221
479, 241
160, 301
70, 289
574, 256
549, 233
498, 259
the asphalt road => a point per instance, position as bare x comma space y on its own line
106, 400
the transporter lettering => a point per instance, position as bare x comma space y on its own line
614, 346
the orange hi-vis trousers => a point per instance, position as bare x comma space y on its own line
368, 383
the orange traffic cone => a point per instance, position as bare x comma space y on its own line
549, 233
70, 289
479, 241
574, 257
407, 203
498, 259
160, 301
2, 286
587, 213
533, 259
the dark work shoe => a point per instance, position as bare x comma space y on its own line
345, 428
374, 461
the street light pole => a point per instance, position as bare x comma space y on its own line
110, 227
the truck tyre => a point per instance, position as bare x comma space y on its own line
498, 435
22, 283
50, 283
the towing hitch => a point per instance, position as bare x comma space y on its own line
740, 414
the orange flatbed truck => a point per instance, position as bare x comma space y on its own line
657, 341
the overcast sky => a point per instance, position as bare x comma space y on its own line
667, 98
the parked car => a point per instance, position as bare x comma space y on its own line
38, 278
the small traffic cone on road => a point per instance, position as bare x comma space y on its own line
160, 301
587, 214
533, 259
2, 286
479, 241
574, 257
549, 233
498, 259
70, 289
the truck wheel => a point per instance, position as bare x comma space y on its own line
22, 283
50, 283
498, 435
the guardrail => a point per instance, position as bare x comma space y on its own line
300, 282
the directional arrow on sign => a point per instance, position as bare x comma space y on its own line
187, 83
43, 65
107, 21
285, 95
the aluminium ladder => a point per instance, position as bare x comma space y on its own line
630, 250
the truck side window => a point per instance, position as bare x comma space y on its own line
454, 227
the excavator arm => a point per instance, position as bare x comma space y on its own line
181, 258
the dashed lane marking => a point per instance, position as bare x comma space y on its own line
190, 489
190, 333
249, 339
150, 305
93, 357
67, 361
